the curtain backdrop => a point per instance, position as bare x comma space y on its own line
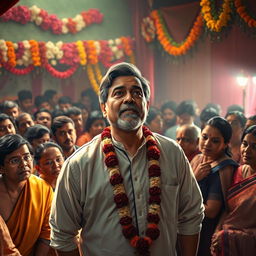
144, 54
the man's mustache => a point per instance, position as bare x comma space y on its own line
131, 106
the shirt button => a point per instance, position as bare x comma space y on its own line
135, 178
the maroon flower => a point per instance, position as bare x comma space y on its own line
153, 152
106, 133
142, 246
153, 233
151, 143
111, 161
153, 218
121, 200
154, 171
154, 200
116, 179
108, 148
125, 220
154, 191
129, 231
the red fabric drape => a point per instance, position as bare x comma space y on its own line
144, 55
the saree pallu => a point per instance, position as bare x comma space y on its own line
238, 234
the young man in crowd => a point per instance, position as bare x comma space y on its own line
25, 101
23, 121
43, 117
64, 133
129, 191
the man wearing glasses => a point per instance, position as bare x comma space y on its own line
25, 199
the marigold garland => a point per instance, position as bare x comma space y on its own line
11, 54
47, 54
81, 52
23, 14
92, 78
243, 14
168, 43
130, 232
35, 53
216, 25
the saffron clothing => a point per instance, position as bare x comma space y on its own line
213, 187
84, 200
238, 234
83, 139
29, 220
7, 247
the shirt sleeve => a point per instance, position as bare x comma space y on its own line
66, 211
214, 187
190, 209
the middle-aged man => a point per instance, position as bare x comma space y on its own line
130, 192
25, 199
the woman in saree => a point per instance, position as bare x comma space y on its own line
237, 233
214, 170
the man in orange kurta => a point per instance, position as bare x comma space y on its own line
25, 199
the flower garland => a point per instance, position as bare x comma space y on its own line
61, 74
168, 43
148, 29
23, 14
11, 54
92, 78
121, 200
216, 25
35, 53
243, 14
81, 52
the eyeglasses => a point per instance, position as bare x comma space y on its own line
16, 161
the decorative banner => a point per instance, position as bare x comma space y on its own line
23, 14
23, 57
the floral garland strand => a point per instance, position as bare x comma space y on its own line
142, 244
92, 78
49, 54
243, 14
167, 42
23, 14
219, 23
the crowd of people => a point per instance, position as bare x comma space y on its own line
115, 176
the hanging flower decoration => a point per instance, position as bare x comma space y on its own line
168, 43
243, 14
22, 57
148, 29
140, 243
23, 14
216, 23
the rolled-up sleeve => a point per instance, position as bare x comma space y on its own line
66, 210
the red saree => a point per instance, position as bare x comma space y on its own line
238, 234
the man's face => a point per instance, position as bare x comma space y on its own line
169, 117
186, 141
44, 118
64, 106
45, 105
13, 112
7, 127
66, 136
126, 107
18, 165
78, 120
27, 104
97, 127
24, 123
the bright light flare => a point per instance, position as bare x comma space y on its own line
242, 80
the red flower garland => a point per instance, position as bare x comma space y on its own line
61, 74
121, 200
